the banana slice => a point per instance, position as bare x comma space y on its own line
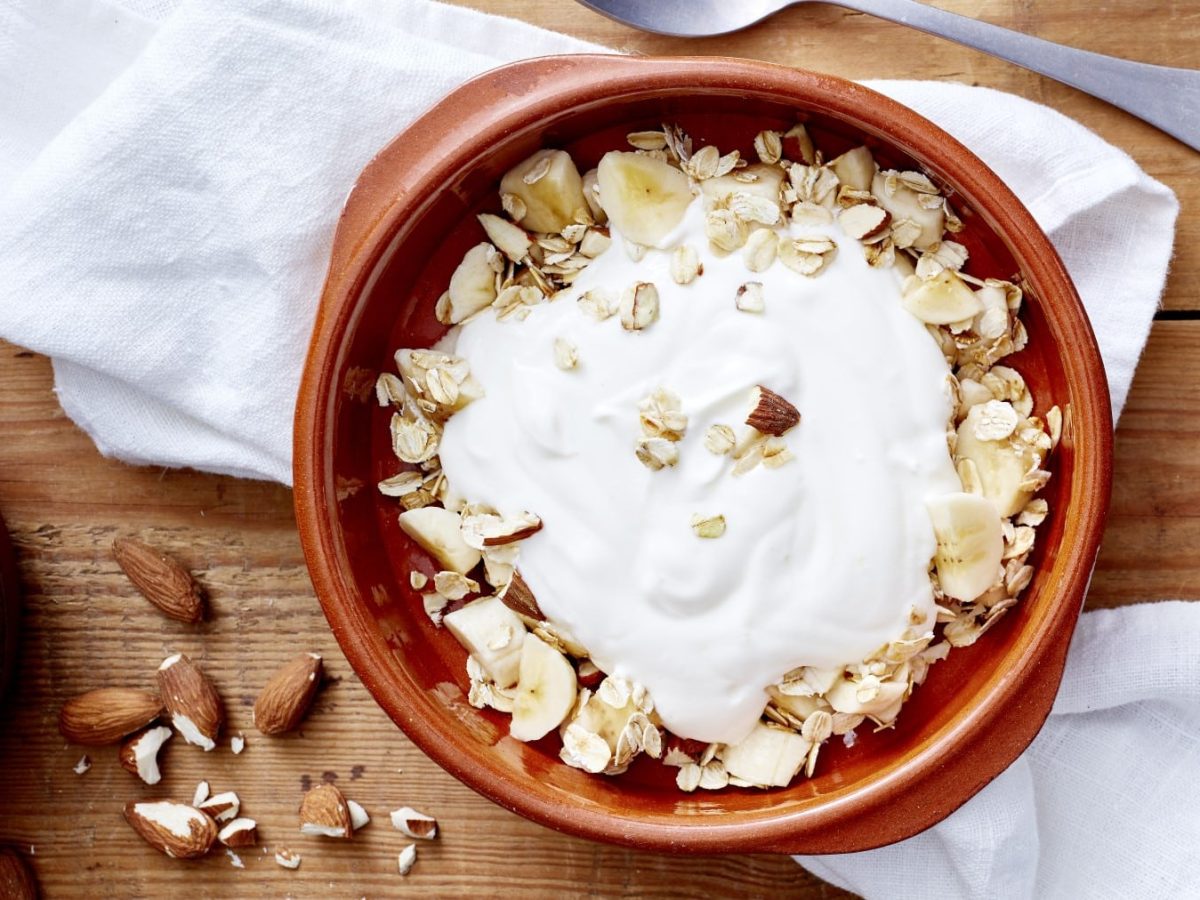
546, 690
439, 532
645, 198
492, 633
905, 203
549, 186
941, 300
970, 543
855, 168
758, 179
473, 284
767, 756
1001, 465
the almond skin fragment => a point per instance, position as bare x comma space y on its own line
519, 598
286, 698
772, 414
16, 878
324, 811
194, 704
106, 715
176, 829
162, 580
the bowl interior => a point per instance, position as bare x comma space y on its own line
424, 666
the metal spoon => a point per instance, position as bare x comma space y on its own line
1165, 97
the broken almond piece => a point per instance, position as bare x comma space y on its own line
239, 833
287, 858
407, 859
359, 817
139, 753
519, 598
176, 829
414, 824
863, 221
106, 715
222, 807
324, 812
194, 704
286, 698
772, 414
161, 580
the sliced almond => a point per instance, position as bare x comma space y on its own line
194, 704
772, 414
750, 297
324, 812
415, 824
106, 715
285, 700
239, 833
162, 580
176, 829
139, 753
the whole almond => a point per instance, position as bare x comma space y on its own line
324, 811
106, 715
16, 878
176, 829
162, 580
194, 704
285, 699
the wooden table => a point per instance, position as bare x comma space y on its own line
85, 626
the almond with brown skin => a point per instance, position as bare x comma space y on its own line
414, 824
106, 715
16, 878
772, 414
519, 598
239, 833
324, 811
283, 703
176, 829
162, 580
194, 704
139, 753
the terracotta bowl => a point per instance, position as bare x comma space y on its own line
407, 223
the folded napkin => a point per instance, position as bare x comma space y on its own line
169, 186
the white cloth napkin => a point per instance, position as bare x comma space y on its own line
170, 178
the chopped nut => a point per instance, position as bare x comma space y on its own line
771, 414
750, 297
639, 306
685, 264
418, 580
407, 859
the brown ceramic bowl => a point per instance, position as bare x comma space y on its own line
407, 223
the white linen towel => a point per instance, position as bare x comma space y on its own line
170, 178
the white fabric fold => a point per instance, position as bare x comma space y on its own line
170, 177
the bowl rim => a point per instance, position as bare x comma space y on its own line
936, 779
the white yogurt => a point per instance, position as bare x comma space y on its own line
823, 559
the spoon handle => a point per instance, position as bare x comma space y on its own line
1167, 98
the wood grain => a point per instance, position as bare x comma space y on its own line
85, 625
